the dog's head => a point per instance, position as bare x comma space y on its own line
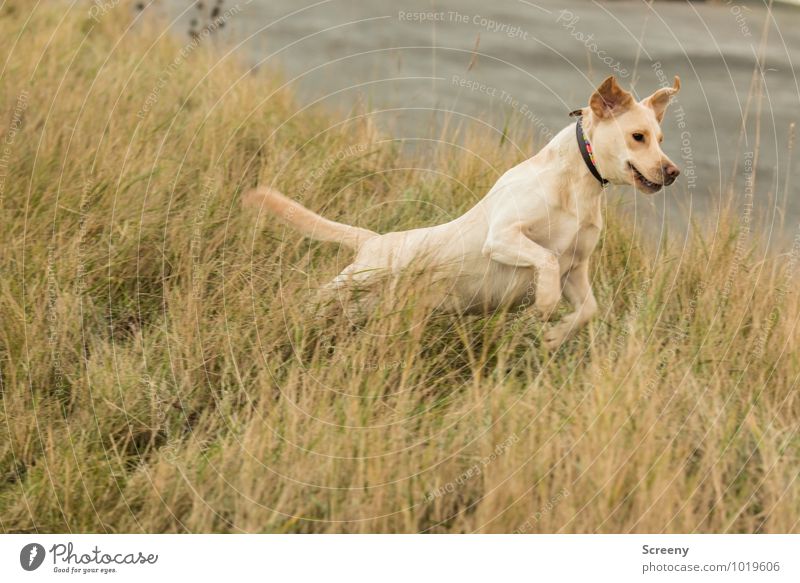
626, 136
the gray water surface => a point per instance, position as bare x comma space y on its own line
417, 63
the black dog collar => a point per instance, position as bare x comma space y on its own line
586, 149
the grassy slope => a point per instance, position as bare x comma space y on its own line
159, 372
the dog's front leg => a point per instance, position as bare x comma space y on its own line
509, 245
578, 291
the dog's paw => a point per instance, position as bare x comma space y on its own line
555, 335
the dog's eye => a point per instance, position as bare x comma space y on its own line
638, 137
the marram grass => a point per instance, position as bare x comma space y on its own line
161, 372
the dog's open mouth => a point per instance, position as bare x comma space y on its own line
643, 182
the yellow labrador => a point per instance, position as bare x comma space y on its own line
537, 226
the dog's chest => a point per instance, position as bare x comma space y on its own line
572, 239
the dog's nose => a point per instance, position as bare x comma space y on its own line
670, 172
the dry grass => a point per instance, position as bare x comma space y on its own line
160, 374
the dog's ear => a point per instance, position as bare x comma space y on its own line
610, 99
659, 100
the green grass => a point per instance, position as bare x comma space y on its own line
161, 372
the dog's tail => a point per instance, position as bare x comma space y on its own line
304, 220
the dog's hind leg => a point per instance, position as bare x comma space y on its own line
349, 289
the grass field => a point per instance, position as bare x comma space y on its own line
161, 373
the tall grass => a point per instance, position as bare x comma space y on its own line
161, 373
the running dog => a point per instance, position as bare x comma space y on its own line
534, 230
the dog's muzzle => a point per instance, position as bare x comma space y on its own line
669, 172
